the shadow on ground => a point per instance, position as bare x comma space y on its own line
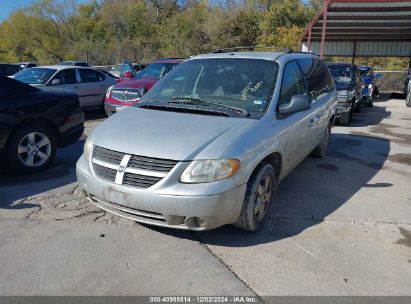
62, 172
370, 116
313, 191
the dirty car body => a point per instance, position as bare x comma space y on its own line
197, 143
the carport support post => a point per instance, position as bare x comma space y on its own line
354, 50
324, 28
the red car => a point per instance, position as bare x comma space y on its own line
127, 92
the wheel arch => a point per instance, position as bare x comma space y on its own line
36, 122
275, 159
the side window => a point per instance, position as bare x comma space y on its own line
101, 76
318, 76
67, 76
87, 75
293, 83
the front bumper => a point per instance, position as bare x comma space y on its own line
342, 107
154, 206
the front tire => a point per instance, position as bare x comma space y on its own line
258, 199
31, 149
408, 100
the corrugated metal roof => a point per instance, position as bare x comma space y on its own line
363, 28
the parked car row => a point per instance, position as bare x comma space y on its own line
356, 89
208, 138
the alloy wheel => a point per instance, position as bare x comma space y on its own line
263, 197
34, 149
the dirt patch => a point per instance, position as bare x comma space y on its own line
72, 207
386, 129
404, 159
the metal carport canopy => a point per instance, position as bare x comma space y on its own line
360, 28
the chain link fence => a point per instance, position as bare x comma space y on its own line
391, 81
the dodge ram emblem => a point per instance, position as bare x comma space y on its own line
121, 169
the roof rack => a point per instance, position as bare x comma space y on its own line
252, 48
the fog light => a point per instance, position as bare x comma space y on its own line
202, 222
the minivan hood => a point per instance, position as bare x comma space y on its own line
169, 135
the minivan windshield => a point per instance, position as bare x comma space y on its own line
226, 83
35, 75
341, 73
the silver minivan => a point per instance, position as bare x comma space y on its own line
210, 142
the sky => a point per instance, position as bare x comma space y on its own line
8, 6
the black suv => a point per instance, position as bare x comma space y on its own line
350, 86
7, 69
34, 123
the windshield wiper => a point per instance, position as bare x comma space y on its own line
188, 99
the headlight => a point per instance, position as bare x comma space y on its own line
343, 93
206, 171
109, 91
88, 149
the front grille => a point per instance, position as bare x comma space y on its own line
107, 155
125, 95
106, 162
154, 164
142, 181
105, 173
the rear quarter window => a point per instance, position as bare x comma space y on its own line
318, 76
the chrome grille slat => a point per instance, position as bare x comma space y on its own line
139, 180
141, 171
108, 155
154, 164
125, 95
105, 172
154, 160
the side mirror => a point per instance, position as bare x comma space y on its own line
297, 103
128, 75
56, 81
376, 76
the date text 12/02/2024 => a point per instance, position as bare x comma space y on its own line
204, 299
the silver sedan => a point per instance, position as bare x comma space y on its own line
89, 84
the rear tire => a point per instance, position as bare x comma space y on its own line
258, 198
321, 150
31, 148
